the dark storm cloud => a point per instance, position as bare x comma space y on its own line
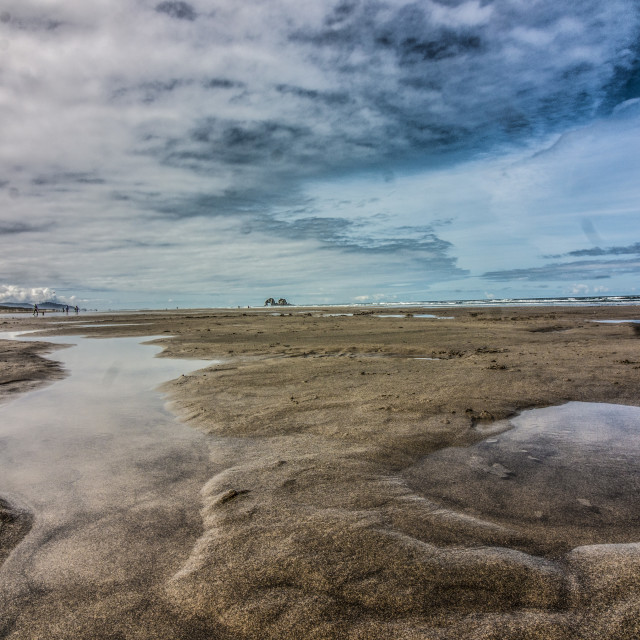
65, 178
632, 249
329, 97
379, 85
481, 74
12, 228
416, 245
367, 84
625, 79
29, 23
176, 9
426, 251
222, 83
149, 92
239, 143
327, 230
572, 271
240, 203
350, 235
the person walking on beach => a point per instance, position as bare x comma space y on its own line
35, 309
76, 309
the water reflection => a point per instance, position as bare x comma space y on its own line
413, 315
560, 477
112, 478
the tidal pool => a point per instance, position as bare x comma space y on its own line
558, 477
408, 316
113, 480
430, 315
99, 325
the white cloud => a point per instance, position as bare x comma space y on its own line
580, 289
374, 297
585, 289
14, 293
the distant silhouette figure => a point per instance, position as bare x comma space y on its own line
76, 309
35, 309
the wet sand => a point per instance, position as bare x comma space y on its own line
338, 509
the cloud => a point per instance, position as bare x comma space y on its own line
597, 251
580, 289
459, 76
373, 297
177, 9
143, 132
583, 290
66, 177
348, 84
584, 269
14, 293
328, 97
11, 228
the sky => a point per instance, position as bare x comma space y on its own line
218, 153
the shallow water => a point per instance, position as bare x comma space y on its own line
15, 316
112, 478
100, 325
415, 315
563, 476
336, 315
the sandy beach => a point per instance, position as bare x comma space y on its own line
354, 494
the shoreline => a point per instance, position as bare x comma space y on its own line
313, 527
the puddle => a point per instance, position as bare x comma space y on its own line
112, 478
97, 325
415, 315
617, 321
430, 315
563, 476
16, 316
